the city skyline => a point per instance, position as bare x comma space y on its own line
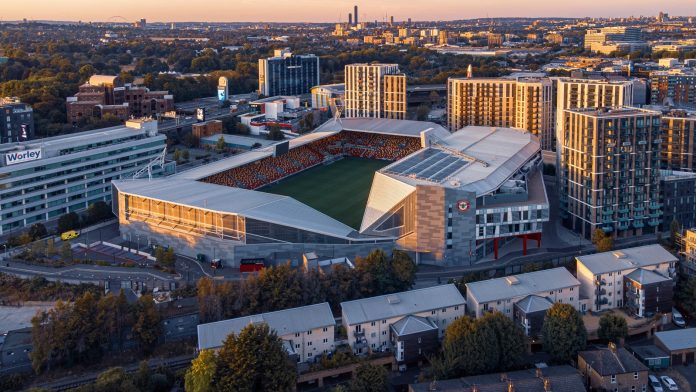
313, 11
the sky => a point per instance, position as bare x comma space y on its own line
328, 11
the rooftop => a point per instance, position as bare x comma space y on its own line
477, 159
561, 379
621, 111
619, 260
411, 324
678, 339
644, 276
521, 285
267, 207
534, 303
401, 304
384, 126
283, 322
608, 362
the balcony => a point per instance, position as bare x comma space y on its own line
655, 206
600, 291
359, 334
600, 282
654, 222
601, 301
608, 212
638, 224
624, 225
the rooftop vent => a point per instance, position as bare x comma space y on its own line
512, 280
619, 254
393, 299
256, 319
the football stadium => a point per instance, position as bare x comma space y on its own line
349, 187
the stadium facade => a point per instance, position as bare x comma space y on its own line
43, 179
449, 199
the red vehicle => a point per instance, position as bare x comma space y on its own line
251, 265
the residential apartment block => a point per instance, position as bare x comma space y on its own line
501, 294
525, 103
368, 321
674, 87
678, 140
602, 275
609, 171
375, 91
308, 331
574, 93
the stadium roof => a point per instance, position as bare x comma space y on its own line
476, 159
384, 126
283, 322
267, 207
401, 304
521, 285
678, 339
619, 260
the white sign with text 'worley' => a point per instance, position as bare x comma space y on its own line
15, 157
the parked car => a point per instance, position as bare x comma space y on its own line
678, 319
655, 383
70, 234
669, 383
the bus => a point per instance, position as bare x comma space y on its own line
251, 265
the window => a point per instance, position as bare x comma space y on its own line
613, 378
297, 345
444, 310
373, 323
325, 329
635, 375
309, 343
309, 332
384, 332
432, 312
633, 388
297, 335
419, 340
456, 308
326, 340
384, 321
309, 354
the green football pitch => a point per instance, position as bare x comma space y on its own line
339, 190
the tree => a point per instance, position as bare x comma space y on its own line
370, 378
37, 231
422, 112
98, 211
165, 256
674, 234
199, 377
146, 329
220, 145
67, 222
612, 328
602, 241
686, 295
274, 133
467, 349
254, 360
563, 332
510, 338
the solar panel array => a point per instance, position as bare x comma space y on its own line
430, 165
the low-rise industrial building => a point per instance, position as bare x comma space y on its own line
308, 331
501, 294
680, 344
368, 321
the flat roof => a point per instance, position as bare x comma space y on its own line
620, 111
401, 304
678, 339
619, 260
521, 285
267, 207
475, 158
283, 322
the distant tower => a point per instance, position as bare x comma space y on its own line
350, 18
391, 21
355, 13
469, 72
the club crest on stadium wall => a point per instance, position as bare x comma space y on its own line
463, 205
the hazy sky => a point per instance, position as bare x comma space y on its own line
329, 10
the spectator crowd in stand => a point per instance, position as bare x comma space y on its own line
343, 144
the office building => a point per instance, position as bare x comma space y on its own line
525, 103
375, 90
288, 74
595, 37
674, 88
678, 141
601, 275
368, 321
589, 93
107, 95
612, 369
501, 294
355, 15
609, 171
41, 180
16, 121
307, 331
678, 198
